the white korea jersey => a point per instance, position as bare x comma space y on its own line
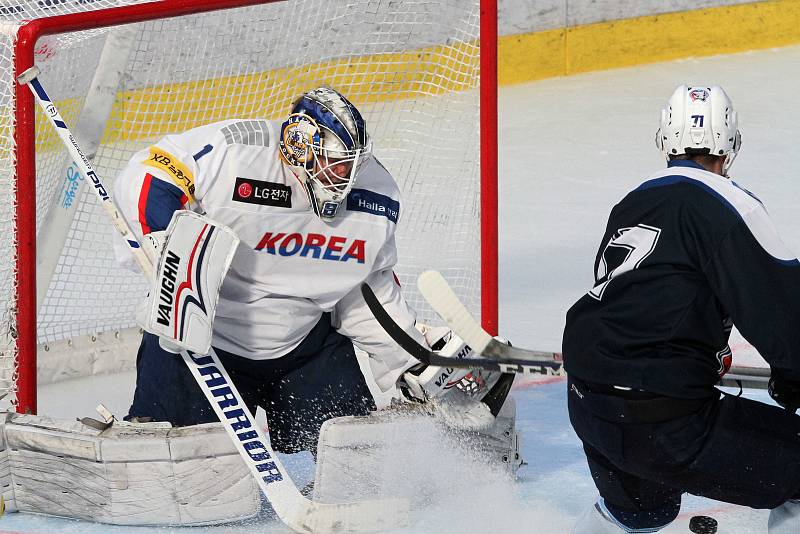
290, 266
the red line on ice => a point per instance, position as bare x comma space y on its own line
532, 383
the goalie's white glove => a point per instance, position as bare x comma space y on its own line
455, 394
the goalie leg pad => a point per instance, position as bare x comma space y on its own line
406, 452
130, 474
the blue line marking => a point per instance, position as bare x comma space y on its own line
133, 244
60, 124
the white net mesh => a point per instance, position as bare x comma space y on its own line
17, 10
8, 241
410, 66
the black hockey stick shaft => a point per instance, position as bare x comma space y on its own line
446, 303
427, 356
748, 377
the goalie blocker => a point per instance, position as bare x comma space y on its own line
193, 255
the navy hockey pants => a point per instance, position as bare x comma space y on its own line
731, 449
318, 380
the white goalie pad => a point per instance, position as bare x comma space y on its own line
129, 474
194, 259
405, 452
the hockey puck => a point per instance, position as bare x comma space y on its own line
702, 524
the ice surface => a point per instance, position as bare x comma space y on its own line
570, 148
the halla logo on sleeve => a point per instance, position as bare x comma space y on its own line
374, 203
263, 193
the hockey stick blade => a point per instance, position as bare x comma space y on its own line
446, 303
427, 356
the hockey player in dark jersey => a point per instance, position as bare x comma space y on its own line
685, 256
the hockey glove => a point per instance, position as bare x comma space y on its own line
194, 255
423, 382
785, 392
455, 394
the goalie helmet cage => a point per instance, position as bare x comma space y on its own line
124, 73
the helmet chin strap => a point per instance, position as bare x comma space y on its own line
729, 157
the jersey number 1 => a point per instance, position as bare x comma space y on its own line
638, 243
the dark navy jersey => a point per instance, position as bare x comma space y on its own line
685, 256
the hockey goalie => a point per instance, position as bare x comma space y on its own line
262, 233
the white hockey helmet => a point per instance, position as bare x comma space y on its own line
325, 141
699, 120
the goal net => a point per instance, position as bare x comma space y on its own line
124, 73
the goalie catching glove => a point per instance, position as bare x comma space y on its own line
457, 395
193, 255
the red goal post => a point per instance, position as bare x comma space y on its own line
413, 98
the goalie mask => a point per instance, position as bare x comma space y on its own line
699, 120
325, 142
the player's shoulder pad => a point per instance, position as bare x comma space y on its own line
375, 192
249, 132
725, 191
744, 206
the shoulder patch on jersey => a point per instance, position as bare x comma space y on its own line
180, 173
374, 203
253, 133
261, 192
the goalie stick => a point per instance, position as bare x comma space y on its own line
295, 510
446, 303
547, 363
